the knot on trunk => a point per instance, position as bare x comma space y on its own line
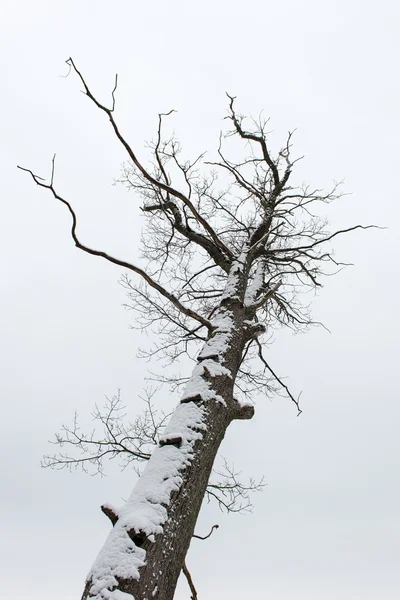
110, 512
232, 301
137, 537
171, 441
196, 399
202, 357
254, 331
243, 411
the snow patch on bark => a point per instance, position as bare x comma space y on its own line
145, 512
256, 285
211, 359
199, 386
231, 286
218, 344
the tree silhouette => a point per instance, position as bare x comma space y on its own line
223, 266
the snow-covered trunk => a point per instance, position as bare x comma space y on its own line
144, 553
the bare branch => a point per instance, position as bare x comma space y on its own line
285, 387
158, 184
189, 579
232, 495
185, 570
130, 441
199, 537
260, 139
121, 263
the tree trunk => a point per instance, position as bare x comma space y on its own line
165, 557
144, 553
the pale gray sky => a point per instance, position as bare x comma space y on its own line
328, 524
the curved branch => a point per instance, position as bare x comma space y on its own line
121, 263
189, 579
323, 240
185, 570
199, 537
285, 387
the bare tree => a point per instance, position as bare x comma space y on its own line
224, 265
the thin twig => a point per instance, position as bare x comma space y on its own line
186, 573
285, 387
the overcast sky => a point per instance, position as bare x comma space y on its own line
327, 525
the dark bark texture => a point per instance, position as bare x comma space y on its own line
166, 555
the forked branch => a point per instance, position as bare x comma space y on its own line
161, 185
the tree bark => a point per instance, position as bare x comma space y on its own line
165, 557
164, 553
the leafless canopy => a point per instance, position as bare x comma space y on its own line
200, 216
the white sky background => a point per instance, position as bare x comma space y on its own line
328, 523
